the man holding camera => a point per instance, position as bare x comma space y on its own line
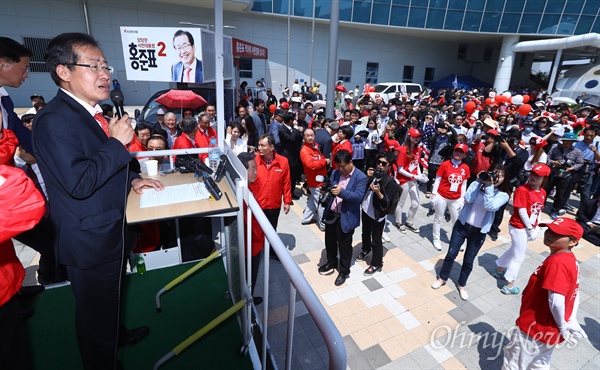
378, 203
505, 150
342, 214
565, 160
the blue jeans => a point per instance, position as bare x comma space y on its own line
475, 240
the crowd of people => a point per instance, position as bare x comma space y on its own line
467, 150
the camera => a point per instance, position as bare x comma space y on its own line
377, 175
325, 189
488, 176
564, 165
500, 138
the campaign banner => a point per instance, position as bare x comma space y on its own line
165, 54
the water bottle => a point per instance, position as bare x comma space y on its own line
213, 154
140, 265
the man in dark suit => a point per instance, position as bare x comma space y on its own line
189, 68
342, 214
588, 216
85, 163
291, 143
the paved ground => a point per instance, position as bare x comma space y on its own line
394, 320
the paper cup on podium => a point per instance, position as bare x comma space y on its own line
152, 167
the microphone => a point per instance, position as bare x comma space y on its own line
221, 169
116, 96
212, 187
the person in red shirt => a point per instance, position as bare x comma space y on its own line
315, 164
342, 142
272, 182
550, 302
189, 126
449, 190
523, 226
408, 175
204, 133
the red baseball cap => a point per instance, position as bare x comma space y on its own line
492, 132
285, 105
539, 143
463, 147
413, 132
393, 145
541, 169
565, 226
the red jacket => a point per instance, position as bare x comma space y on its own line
22, 208
135, 145
8, 146
272, 183
343, 145
202, 140
258, 235
314, 164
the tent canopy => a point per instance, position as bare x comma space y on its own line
462, 81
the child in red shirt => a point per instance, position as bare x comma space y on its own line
550, 301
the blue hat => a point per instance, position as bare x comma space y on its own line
569, 136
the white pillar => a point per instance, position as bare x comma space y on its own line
554, 73
506, 61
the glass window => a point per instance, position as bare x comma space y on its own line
361, 12
530, 23
567, 24
417, 17
494, 5
475, 4
344, 70
429, 75
591, 84
399, 16
555, 6
401, 2
372, 72
596, 27
574, 6
487, 55
457, 4
491, 21
345, 10
381, 14
510, 22
438, 4
472, 21
584, 24
303, 8
462, 51
419, 3
454, 19
280, 6
407, 75
245, 68
435, 18
535, 6
323, 9
591, 7
388, 2
263, 6
514, 6
549, 23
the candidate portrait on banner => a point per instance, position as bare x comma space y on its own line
189, 68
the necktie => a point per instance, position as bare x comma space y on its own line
103, 122
188, 74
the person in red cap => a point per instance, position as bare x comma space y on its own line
449, 190
550, 301
523, 226
409, 174
537, 154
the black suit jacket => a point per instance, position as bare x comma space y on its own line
87, 179
16, 126
291, 143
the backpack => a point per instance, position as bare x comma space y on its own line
394, 202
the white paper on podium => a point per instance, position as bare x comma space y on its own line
173, 194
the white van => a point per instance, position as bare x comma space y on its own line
387, 90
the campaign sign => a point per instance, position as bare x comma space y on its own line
165, 54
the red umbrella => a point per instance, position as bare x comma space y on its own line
340, 88
181, 99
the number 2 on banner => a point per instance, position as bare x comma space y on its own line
161, 51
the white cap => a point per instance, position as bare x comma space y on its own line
161, 111
348, 97
559, 130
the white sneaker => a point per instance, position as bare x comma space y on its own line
462, 248
437, 244
385, 238
436, 284
463, 294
